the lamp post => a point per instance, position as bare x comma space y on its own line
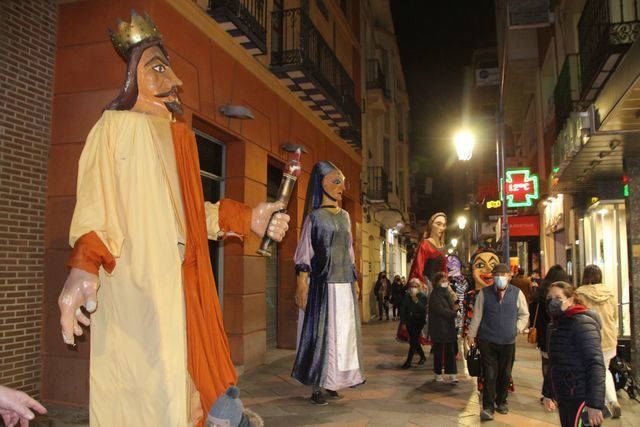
462, 222
464, 142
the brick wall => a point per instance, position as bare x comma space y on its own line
27, 56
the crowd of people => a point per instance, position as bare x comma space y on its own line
489, 312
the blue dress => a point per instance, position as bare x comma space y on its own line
329, 349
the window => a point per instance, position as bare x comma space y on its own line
211, 153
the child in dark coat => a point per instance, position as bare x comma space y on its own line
575, 380
442, 328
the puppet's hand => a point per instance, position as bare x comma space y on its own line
302, 291
79, 290
260, 216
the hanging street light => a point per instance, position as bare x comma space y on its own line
464, 142
462, 222
454, 242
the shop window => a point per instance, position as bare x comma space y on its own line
212, 153
604, 230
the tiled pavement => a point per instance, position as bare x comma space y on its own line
394, 397
391, 397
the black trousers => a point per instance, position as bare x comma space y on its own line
568, 411
414, 331
545, 369
383, 306
497, 361
444, 354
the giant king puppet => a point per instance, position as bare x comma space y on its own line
159, 353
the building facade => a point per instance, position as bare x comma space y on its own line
575, 78
385, 151
296, 65
27, 58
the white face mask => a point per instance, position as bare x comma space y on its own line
501, 281
413, 291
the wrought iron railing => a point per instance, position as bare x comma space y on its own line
567, 92
375, 76
296, 42
606, 27
249, 15
377, 184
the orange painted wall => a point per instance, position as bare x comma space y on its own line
88, 75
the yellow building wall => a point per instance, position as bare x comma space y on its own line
370, 268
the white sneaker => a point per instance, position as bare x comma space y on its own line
438, 378
453, 378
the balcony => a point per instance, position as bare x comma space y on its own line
377, 185
607, 28
376, 78
244, 20
306, 64
566, 94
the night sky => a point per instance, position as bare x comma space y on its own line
436, 40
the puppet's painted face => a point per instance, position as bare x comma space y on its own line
482, 266
157, 84
438, 226
334, 185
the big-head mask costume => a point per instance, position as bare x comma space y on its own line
150, 81
315, 190
482, 263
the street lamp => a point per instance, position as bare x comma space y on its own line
462, 222
464, 142
454, 242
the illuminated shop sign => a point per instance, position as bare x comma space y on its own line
493, 204
521, 188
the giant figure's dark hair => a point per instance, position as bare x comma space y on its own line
314, 189
128, 95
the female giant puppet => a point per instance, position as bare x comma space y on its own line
329, 350
431, 256
159, 352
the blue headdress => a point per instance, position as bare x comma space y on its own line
315, 190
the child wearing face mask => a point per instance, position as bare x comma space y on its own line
575, 381
442, 328
413, 312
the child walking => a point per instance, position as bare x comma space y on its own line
442, 328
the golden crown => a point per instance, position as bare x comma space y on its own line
128, 35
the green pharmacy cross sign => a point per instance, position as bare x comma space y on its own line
521, 188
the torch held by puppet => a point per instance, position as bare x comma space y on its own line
289, 177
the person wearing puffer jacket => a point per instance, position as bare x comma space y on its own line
602, 300
575, 379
